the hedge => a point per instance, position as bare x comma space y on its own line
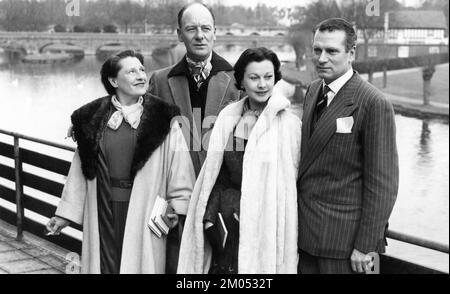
400, 63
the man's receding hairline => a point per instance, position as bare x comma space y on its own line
196, 4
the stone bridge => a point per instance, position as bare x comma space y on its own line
33, 41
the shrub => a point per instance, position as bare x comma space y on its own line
110, 28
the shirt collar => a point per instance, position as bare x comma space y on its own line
338, 83
217, 62
206, 61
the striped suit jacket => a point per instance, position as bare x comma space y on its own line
348, 182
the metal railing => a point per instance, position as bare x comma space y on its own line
21, 155
23, 178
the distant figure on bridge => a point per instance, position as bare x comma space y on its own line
129, 152
202, 82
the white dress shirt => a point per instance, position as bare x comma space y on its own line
337, 84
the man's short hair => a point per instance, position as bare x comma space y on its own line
183, 9
339, 24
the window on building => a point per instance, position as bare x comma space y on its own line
372, 51
403, 51
433, 50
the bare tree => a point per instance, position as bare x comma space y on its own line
369, 26
300, 34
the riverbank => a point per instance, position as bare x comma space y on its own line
403, 90
414, 108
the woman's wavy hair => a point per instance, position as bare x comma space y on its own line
111, 67
255, 55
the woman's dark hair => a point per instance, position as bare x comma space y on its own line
255, 55
111, 67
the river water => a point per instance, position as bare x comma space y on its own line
37, 100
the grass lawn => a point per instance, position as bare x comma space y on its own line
410, 84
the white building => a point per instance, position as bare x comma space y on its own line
408, 33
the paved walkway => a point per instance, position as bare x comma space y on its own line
32, 255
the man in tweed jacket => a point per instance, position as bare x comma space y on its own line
348, 176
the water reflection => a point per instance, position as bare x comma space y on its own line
424, 157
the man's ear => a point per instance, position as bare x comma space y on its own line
353, 54
215, 30
113, 82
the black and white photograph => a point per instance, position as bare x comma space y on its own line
224, 137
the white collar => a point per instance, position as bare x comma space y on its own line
338, 83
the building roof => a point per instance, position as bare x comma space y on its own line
417, 19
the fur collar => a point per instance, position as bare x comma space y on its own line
90, 120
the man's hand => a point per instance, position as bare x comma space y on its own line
360, 261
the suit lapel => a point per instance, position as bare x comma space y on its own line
217, 88
180, 93
308, 108
341, 106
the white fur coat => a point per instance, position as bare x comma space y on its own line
268, 208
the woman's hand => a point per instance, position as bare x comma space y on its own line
56, 224
173, 217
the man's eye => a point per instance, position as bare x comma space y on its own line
253, 78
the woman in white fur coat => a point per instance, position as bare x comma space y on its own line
130, 150
248, 182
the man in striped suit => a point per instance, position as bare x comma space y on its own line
348, 175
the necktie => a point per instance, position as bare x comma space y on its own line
322, 101
199, 70
320, 106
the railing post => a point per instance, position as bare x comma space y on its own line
19, 189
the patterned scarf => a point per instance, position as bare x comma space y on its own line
131, 114
199, 70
